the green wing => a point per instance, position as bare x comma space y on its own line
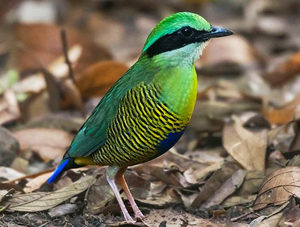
92, 134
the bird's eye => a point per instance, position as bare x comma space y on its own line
186, 31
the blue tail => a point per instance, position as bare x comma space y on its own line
59, 170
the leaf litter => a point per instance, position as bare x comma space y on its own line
237, 163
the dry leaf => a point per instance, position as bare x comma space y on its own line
43, 42
227, 188
234, 53
39, 201
62, 210
278, 187
20, 164
246, 147
36, 182
238, 200
98, 196
36, 83
49, 143
284, 72
98, 78
9, 107
9, 147
173, 217
214, 183
9, 173
282, 115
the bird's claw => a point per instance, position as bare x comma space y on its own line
139, 216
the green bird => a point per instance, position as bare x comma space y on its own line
147, 110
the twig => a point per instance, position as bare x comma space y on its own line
63, 36
242, 216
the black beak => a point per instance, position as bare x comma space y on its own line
215, 32
218, 32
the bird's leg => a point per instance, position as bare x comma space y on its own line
121, 180
111, 174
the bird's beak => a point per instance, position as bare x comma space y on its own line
213, 33
218, 32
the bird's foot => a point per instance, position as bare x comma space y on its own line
139, 216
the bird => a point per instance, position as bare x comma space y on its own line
148, 109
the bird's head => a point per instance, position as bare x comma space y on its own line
181, 37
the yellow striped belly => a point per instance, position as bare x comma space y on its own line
142, 122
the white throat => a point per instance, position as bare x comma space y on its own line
186, 55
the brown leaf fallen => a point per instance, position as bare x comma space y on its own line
39, 201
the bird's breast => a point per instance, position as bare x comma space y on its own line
143, 128
178, 90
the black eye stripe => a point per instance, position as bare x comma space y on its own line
180, 38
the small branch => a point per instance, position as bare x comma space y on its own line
63, 36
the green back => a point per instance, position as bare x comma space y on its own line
92, 134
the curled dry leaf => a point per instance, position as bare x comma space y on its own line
9, 147
39, 201
229, 187
49, 143
284, 72
213, 184
36, 83
9, 108
282, 137
171, 217
9, 173
98, 78
36, 182
283, 115
234, 53
279, 187
43, 42
246, 147
98, 196
62, 210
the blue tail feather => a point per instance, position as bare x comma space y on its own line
58, 170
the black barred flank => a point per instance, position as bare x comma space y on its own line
141, 123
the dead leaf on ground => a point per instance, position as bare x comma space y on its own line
214, 183
20, 164
44, 42
36, 182
62, 210
291, 217
252, 182
98, 78
279, 187
246, 147
9, 107
39, 201
282, 137
238, 200
36, 83
171, 217
9, 173
49, 143
282, 115
285, 71
99, 196
234, 54
227, 188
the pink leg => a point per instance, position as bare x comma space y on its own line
121, 180
111, 174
